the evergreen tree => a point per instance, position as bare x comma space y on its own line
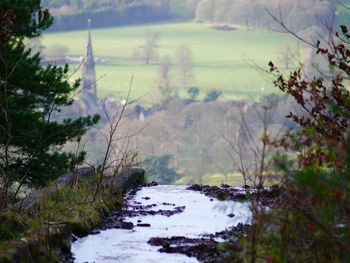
30, 95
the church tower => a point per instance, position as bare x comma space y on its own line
89, 94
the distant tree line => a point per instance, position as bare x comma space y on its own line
73, 14
188, 138
64, 7
298, 15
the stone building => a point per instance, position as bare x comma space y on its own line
89, 87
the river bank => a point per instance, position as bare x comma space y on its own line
41, 228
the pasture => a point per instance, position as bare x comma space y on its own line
221, 58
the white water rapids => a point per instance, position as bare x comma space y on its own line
201, 216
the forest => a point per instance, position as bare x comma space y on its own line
297, 15
304, 16
70, 15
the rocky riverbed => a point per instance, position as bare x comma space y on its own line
266, 196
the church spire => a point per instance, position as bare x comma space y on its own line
89, 76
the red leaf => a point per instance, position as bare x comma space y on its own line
338, 195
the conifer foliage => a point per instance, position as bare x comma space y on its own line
30, 95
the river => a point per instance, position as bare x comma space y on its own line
202, 215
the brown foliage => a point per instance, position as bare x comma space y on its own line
6, 19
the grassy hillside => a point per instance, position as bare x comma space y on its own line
219, 57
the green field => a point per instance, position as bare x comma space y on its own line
219, 57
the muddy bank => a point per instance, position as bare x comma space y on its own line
267, 196
207, 248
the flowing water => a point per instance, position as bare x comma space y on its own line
202, 215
